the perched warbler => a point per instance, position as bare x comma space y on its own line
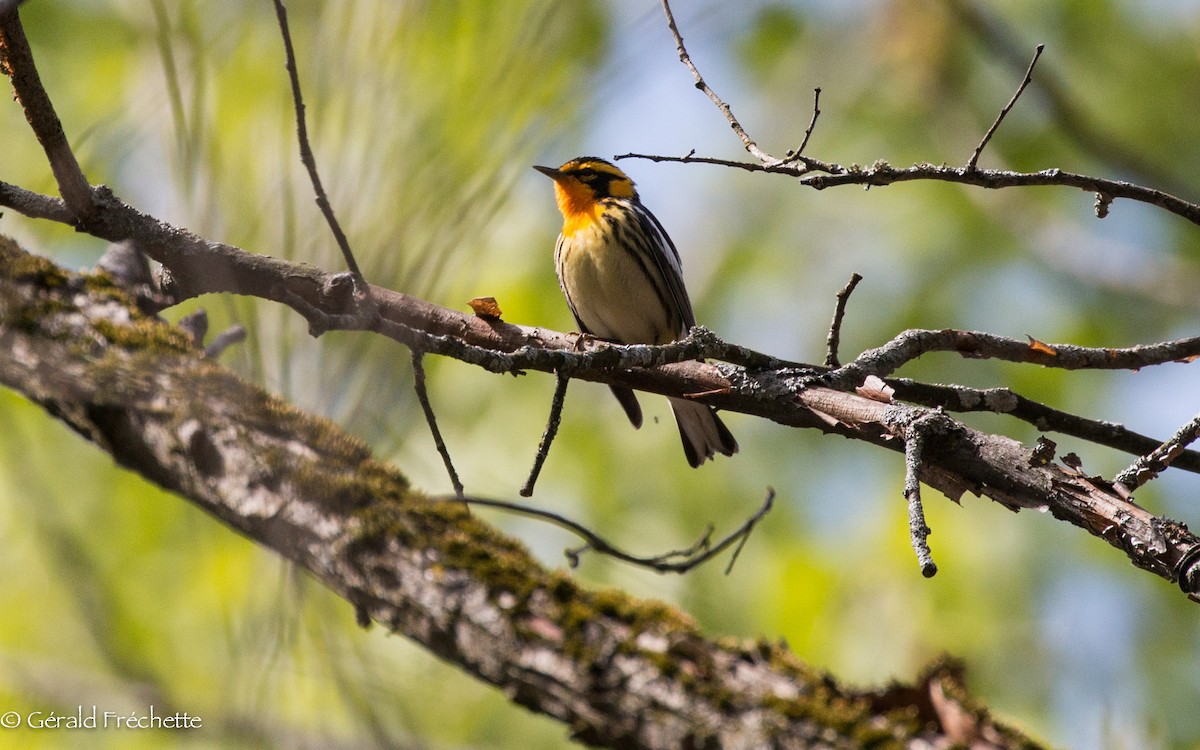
621, 276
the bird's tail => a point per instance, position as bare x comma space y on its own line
704, 434
630, 404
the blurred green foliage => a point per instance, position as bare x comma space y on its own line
425, 117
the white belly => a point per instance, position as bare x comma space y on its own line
611, 293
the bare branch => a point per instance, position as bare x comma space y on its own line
885, 174
686, 59
418, 366
789, 166
881, 173
914, 343
556, 407
1150, 465
959, 398
35, 205
306, 154
833, 340
17, 62
971, 164
676, 561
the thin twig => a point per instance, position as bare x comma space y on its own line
957, 398
306, 154
1007, 108
686, 59
914, 446
881, 173
556, 407
1150, 465
675, 561
743, 533
834, 339
702, 544
431, 420
788, 167
914, 343
1080, 124
794, 156
39, 111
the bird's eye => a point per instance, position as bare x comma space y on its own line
587, 174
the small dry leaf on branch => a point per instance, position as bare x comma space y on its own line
485, 307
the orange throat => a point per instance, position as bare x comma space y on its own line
578, 206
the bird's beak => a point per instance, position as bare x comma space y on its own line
550, 172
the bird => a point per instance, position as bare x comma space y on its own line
621, 275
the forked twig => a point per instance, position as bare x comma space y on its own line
1079, 123
675, 561
431, 420
306, 154
686, 59
556, 407
1007, 108
958, 398
18, 64
1150, 465
834, 339
795, 155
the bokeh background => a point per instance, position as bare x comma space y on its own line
426, 116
